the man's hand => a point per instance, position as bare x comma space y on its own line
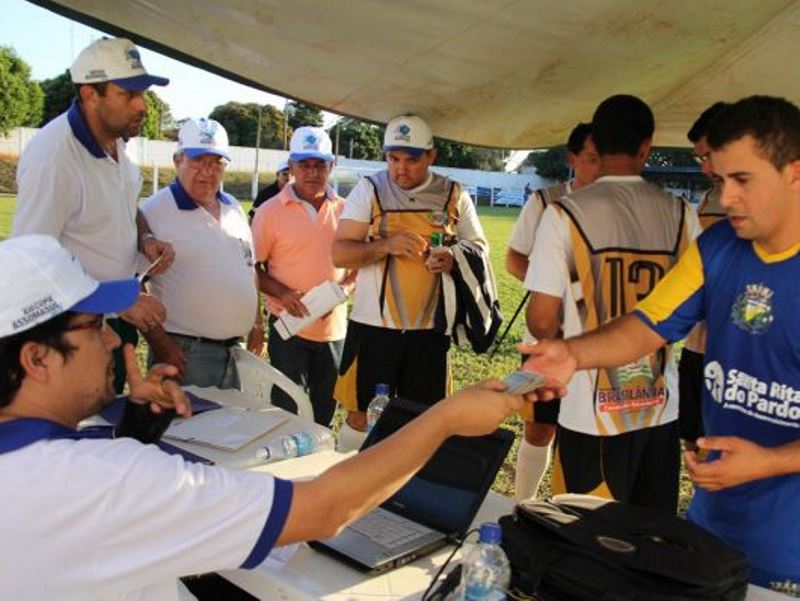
255, 340
348, 282
553, 360
157, 388
148, 312
479, 409
440, 260
166, 350
291, 301
152, 248
740, 461
406, 244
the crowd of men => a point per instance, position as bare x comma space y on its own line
617, 271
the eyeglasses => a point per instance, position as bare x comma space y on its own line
700, 159
97, 323
200, 164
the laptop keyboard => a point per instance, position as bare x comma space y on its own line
388, 529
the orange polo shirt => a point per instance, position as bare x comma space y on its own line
297, 250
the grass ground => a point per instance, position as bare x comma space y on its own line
468, 368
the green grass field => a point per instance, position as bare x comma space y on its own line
468, 368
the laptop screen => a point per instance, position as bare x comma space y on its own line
448, 491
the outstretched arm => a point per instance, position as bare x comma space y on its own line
324, 505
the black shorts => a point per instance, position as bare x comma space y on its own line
640, 467
545, 412
690, 394
412, 362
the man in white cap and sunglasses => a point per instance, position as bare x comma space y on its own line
387, 224
87, 517
210, 291
76, 183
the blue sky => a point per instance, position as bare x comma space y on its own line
49, 43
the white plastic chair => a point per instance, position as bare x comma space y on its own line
257, 377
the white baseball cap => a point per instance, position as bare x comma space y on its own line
203, 136
41, 279
310, 143
408, 133
116, 60
283, 166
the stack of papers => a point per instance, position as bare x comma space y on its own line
319, 301
226, 429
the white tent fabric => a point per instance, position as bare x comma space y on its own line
503, 73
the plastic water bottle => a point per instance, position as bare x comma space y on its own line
486, 572
377, 404
294, 445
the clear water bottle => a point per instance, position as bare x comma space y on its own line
377, 404
486, 572
294, 445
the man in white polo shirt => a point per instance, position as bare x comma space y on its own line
75, 182
99, 518
210, 291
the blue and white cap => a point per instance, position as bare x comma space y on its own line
116, 60
310, 143
408, 133
47, 280
203, 136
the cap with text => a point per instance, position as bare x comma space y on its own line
47, 280
408, 133
310, 143
116, 60
203, 136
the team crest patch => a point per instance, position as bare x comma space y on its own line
752, 310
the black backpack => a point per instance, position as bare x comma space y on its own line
576, 547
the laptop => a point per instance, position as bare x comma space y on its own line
435, 508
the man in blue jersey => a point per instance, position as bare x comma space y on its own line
742, 276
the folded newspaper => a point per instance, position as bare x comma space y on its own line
319, 301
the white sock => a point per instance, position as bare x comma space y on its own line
532, 463
350, 439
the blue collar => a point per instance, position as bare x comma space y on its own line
80, 129
25, 431
185, 202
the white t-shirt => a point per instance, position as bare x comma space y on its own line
70, 188
358, 207
99, 519
210, 288
548, 273
524, 234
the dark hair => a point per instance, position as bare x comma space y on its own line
49, 333
99, 87
700, 127
773, 122
577, 139
620, 124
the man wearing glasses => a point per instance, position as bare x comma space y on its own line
293, 235
86, 517
210, 291
76, 183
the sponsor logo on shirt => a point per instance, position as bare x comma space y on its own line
752, 310
739, 391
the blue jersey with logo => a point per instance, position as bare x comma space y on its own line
751, 303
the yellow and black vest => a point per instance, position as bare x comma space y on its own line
625, 237
409, 292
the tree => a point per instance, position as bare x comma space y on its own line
58, 94
464, 156
158, 122
550, 164
21, 98
300, 114
241, 122
358, 139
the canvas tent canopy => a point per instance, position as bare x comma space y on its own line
502, 73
